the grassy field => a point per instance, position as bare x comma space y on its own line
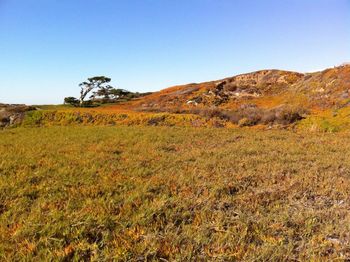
173, 193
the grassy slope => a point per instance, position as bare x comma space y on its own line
159, 192
328, 121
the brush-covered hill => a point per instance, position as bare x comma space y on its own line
317, 101
266, 89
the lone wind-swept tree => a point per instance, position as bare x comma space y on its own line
102, 93
96, 82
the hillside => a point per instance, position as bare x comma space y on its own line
316, 101
266, 89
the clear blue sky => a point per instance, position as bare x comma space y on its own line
47, 47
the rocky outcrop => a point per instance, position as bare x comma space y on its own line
326, 89
12, 114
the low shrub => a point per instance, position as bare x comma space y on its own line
67, 118
246, 115
289, 114
251, 115
155, 121
208, 112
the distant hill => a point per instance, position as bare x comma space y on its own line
266, 89
271, 98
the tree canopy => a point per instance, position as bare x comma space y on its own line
96, 82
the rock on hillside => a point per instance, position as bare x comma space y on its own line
266, 88
326, 89
12, 114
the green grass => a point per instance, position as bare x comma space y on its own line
328, 121
171, 193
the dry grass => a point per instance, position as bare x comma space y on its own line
171, 193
